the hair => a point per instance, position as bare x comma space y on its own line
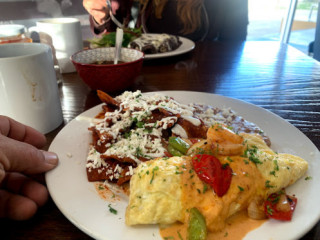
189, 12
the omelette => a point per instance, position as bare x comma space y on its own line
163, 190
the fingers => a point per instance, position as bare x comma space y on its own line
20, 184
15, 130
21, 157
98, 9
16, 207
94, 4
21, 197
100, 5
99, 16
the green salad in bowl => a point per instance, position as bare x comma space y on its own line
109, 39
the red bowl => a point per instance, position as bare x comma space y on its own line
108, 77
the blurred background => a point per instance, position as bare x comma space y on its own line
267, 19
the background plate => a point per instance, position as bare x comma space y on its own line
78, 200
186, 46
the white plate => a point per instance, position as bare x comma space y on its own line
186, 46
80, 203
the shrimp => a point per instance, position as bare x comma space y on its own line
224, 141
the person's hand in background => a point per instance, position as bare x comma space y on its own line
20, 158
98, 9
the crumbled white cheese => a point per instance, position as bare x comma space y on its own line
145, 140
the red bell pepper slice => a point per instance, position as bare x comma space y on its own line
211, 171
167, 154
273, 209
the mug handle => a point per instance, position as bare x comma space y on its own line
34, 30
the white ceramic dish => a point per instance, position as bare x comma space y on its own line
80, 203
186, 46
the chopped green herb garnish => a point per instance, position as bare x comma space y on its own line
140, 124
229, 159
112, 210
251, 153
276, 166
156, 168
127, 135
225, 165
205, 188
267, 184
273, 173
167, 238
269, 210
139, 152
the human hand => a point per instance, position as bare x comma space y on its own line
98, 9
20, 157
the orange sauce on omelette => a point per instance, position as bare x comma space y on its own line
226, 217
236, 228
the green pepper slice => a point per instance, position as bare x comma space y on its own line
197, 229
173, 151
179, 144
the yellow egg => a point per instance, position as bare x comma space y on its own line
155, 192
162, 190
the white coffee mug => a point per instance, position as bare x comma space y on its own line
64, 36
29, 90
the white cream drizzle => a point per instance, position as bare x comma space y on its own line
142, 142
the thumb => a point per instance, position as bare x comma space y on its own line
16, 156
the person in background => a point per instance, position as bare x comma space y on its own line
221, 20
20, 160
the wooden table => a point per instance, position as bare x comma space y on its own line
271, 75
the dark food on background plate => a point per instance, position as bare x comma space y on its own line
155, 43
134, 128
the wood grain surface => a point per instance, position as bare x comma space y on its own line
271, 75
